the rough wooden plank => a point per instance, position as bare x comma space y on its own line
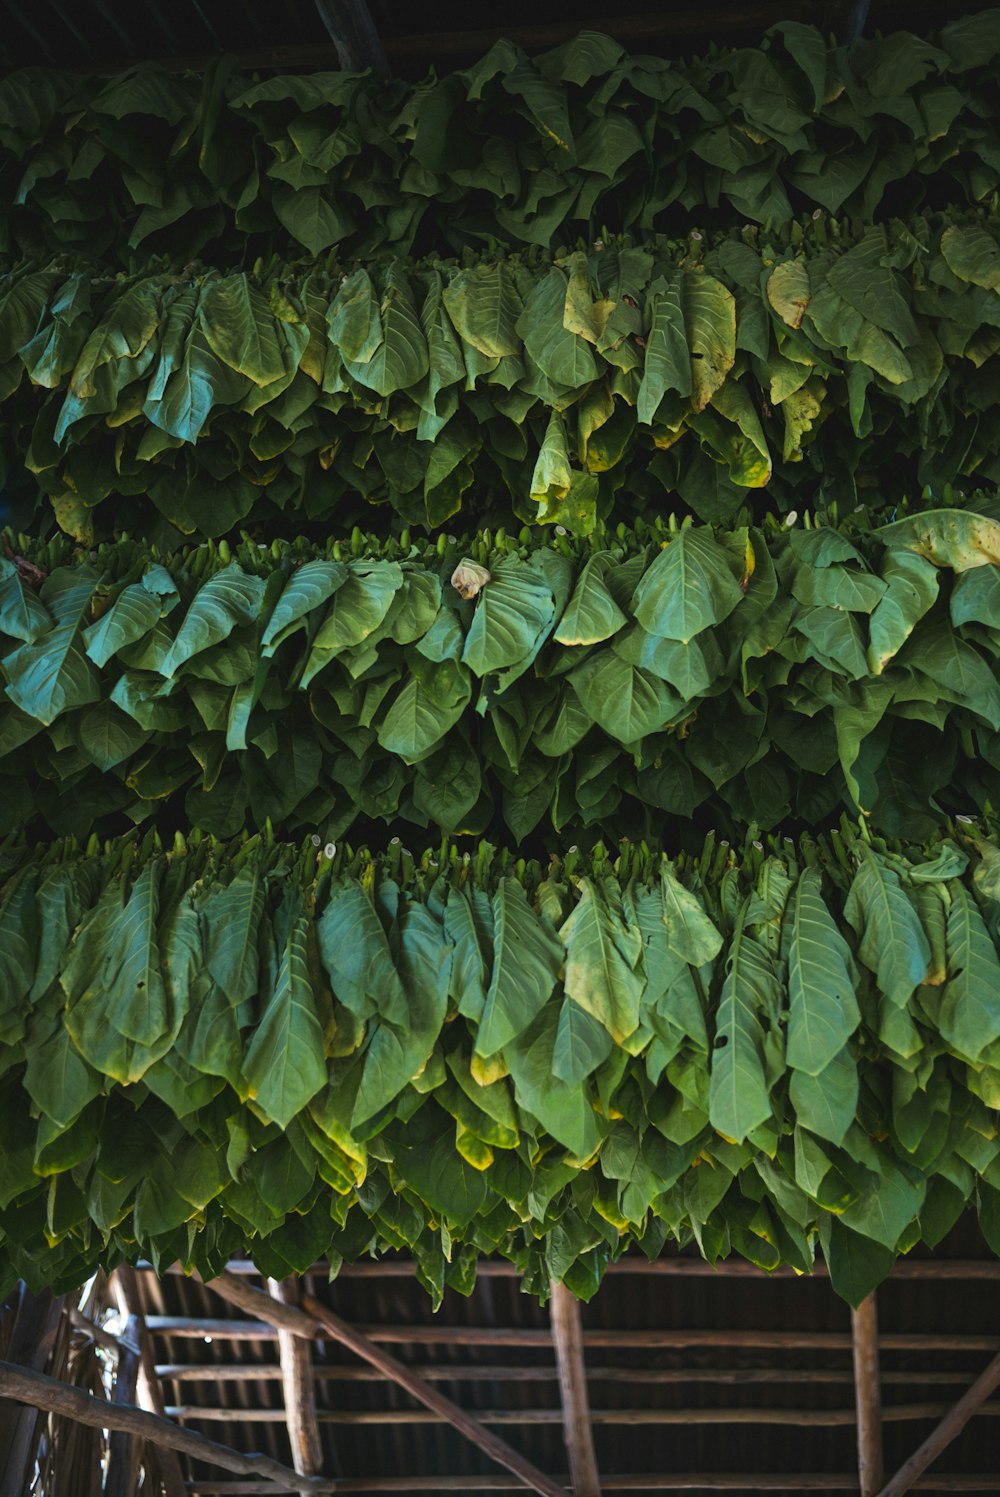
126, 1291
867, 1395
457, 1372
295, 1359
900, 1413
643, 1483
315, 1320
567, 1337
41, 1392
697, 1268
31, 1343
951, 1425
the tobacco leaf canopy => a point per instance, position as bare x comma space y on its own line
307, 1052
524, 150
753, 372
663, 674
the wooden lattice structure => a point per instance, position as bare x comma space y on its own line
678, 1377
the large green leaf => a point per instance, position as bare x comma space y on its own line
285, 1064
241, 329
603, 973
689, 587
52, 675
513, 609
823, 1011
227, 599
527, 957
738, 1089
969, 1015
892, 942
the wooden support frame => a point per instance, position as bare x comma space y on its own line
567, 1337
125, 1288
123, 1447
31, 1343
39, 1391
295, 1360
952, 1424
867, 1395
314, 1320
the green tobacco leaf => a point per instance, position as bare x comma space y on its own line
307, 589
972, 255
426, 709
823, 1011
892, 943
52, 675
911, 590
285, 1064
357, 957
241, 329
688, 588
400, 360
827, 1103
591, 615
947, 537
626, 702
690, 932
232, 920
514, 608
484, 306
602, 963
969, 1016
23, 615
130, 618
710, 322
527, 959
229, 598
738, 1089
582, 1043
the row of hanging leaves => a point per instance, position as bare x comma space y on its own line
525, 150
789, 673
318, 1052
560, 388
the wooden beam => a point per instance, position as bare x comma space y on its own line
456, 1372
315, 1320
798, 1418
295, 1358
695, 1268
473, 1335
123, 1447
41, 1392
659, 1482
31, 1342
567, 1336
951, 1425
867, 1395
125, 1288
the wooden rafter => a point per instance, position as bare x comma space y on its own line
313, 1320
295, 1360
567, 1336
951, 1425
867, 1395
39, 1391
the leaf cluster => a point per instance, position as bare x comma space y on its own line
749, 373
317, 1051
516, 148
783, 674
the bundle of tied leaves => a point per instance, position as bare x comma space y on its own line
516, 149
310, 1052
645, 677
743, 374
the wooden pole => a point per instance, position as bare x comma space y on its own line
314, 1320
31, 1343
867, 1395
567, 1335
125, 1288
123, 1448
41, 1392
295, 1358
951, 1425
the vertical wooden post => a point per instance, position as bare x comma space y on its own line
123, 1448
567, 1334
30, 1346
295, 1357
126, 1292
867, 1396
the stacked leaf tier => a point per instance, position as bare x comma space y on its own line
756, 372
259, 1046
516, 149
760, 675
